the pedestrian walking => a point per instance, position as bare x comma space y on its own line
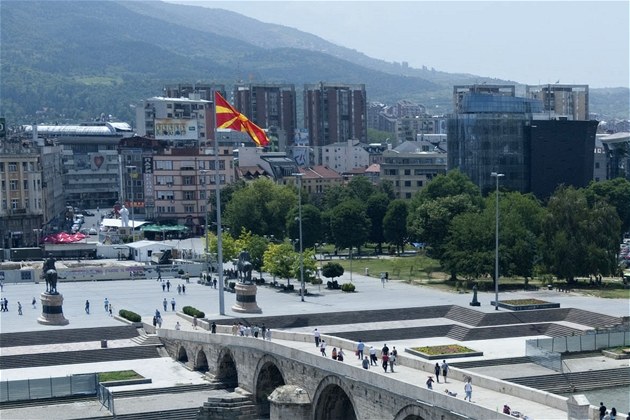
334, 353
179, 289
437, 370
385, 360
392, 361
163, 287
234, 328
183, 289
602, 410
194, 323
365, 363
154, 321
165, 305
468, 391
430, 382
87, 307
111, 310
373, 359
159, 273
34, 302
168, 285
177, 326
268, 336
256, 331
173, 304
214, 282
19, 308
6, 305
322, 348
106, 302
613, 413
213, 328
263, 331
340, 355
360, 347
317, 337
444, 370
159, 322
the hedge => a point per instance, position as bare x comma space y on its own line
194, 312
347, 287
130, 316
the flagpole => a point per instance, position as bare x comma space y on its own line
219, 229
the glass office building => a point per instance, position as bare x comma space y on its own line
489, 134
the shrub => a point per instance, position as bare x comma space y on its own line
232, 285
181, 272
316, 281
347, 287
130, 316
194, 312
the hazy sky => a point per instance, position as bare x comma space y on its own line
580, 42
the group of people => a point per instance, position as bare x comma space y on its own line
604, 414
165, 304
107, 304
249, 331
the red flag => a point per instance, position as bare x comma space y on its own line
228, 117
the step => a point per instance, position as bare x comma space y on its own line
164, 390
76, 335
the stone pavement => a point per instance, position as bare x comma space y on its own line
145, 296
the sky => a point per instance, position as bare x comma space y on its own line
532, 42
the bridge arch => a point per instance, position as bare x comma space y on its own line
333, 400
226, 368
412, 412
201, 361
267, 378
182, 355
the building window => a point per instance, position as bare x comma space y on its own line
14, 204
164, 180
12, 166
13, 185
189, 195
165, 195
188, 180
166, 165
25, 184
407, 171
407, 183
189, 208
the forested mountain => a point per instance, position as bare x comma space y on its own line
73, 60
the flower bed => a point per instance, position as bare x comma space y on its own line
448, 351
526, 304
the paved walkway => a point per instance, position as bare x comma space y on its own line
145, 296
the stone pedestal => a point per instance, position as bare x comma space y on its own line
289, 402
52, 312
246, 299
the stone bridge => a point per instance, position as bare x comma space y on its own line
323, 388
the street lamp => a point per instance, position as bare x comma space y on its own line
496, 248
133, 171
299, 177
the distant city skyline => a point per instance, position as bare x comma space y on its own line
531, 42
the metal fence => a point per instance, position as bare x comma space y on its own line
106, 398
548, 351
32, 389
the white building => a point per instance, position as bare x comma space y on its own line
142, 250
342, 157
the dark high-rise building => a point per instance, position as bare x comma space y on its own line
268, 105
335, 113
492, 130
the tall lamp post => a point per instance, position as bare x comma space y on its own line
299, 177
133, 171
496, 243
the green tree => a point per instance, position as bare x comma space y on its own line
280, 260
228, 244
436, 205
615, 192
376, 209
469, 250
580, 239
360, 188
261, 208
331, 270
395, 224
350, 225
311, 225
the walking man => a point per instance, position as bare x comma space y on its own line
360, 347
468, 391
34, 302
373, 359
317, 337
322, 348
168, 285
159, 273
87, 307
19, 308
165, 305
444, 370
173, 304
106, 302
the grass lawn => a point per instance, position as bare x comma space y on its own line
517, 302
420, 269
120, 375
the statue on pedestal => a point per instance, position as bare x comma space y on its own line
475, 302
124, 216
244, 267
50, 274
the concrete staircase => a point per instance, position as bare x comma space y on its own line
576, 381
591, 319
166, 390
177, 414
145, 339
491, 362
230, 407
76, 335
75, 357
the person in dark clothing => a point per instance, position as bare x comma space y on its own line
602, 410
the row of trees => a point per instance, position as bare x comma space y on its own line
575, 233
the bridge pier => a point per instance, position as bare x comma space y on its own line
289, 402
